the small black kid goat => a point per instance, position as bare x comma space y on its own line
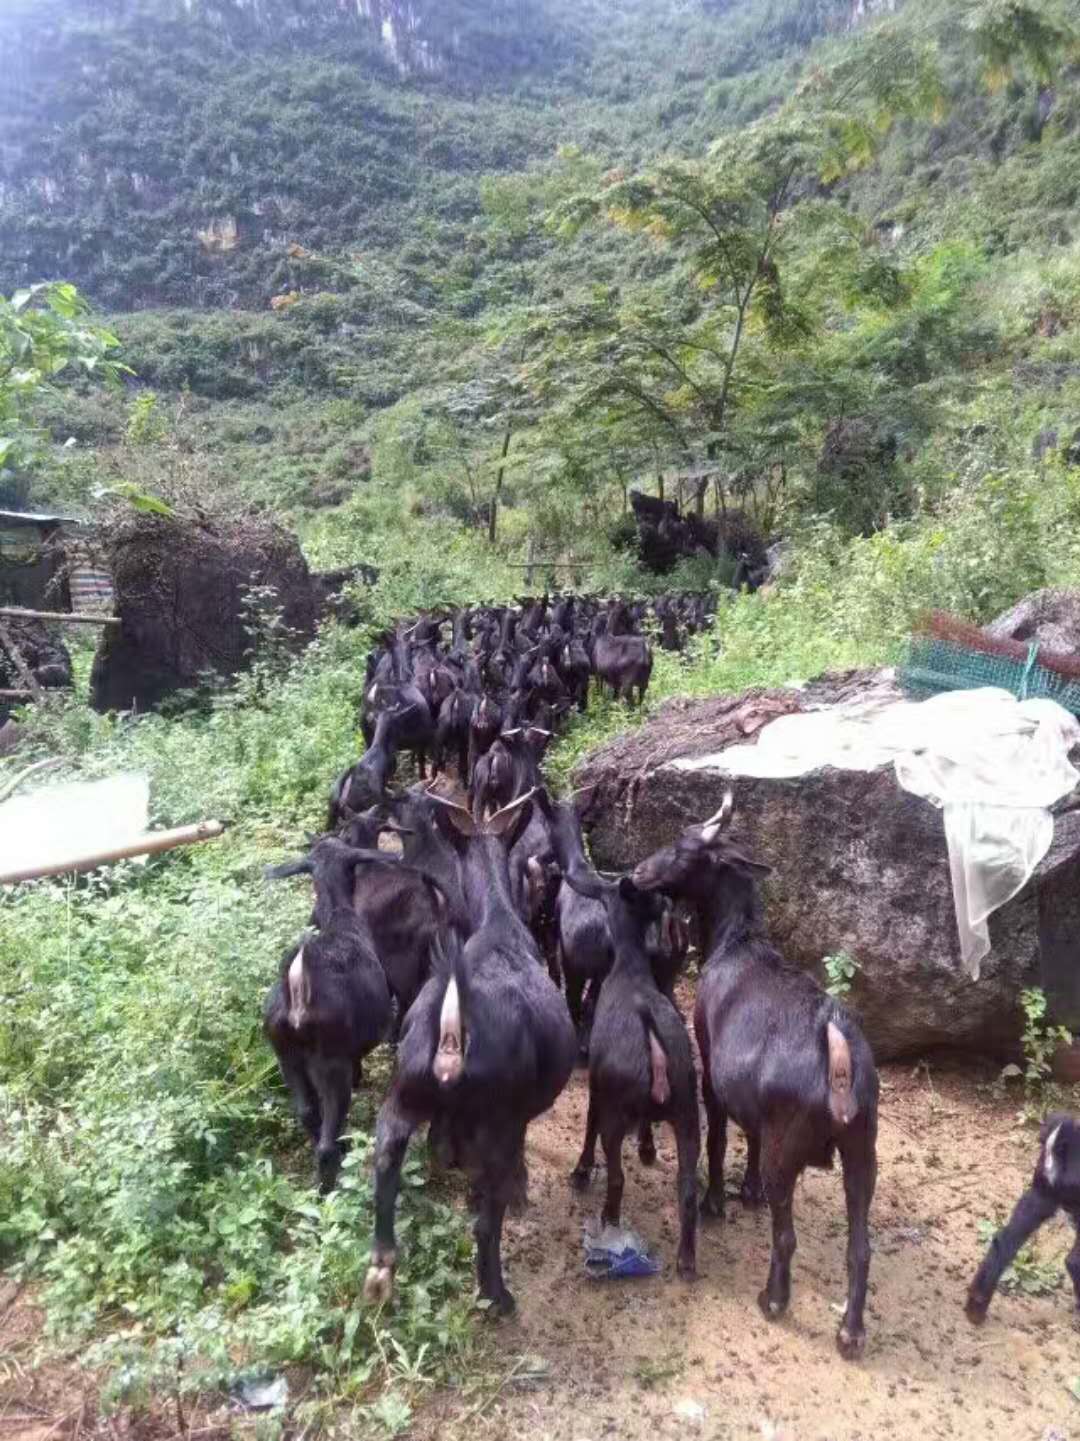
1055, 1186
783, 1059
640, 1066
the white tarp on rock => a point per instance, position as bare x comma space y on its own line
63, 823
994, 765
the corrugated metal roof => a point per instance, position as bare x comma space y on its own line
28, 517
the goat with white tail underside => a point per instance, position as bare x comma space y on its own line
787, 1062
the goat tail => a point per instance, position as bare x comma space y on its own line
659, 1080
298, 991
449, 1063
843, 1106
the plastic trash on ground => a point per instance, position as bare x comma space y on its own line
64, 822
613, 1251
262, 1393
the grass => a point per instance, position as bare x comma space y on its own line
152, 1180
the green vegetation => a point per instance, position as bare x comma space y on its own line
1040, 1039
45, 330
840, 971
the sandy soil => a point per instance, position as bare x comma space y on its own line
662, 1358
585, 1360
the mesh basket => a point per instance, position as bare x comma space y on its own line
934, 664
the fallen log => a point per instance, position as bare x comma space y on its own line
148, 845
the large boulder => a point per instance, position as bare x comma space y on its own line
183, 595
1049, 617
858, 865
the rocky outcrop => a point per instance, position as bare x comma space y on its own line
858, 865
1049, 617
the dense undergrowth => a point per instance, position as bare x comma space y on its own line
151, 1176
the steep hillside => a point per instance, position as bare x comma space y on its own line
320, 233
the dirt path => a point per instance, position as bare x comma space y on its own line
660, 1358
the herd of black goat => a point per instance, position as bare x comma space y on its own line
457, 946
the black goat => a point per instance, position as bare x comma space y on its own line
623, 662
1055, 1185
786, 1061
364, 784
486, 1048
452, 731
640, 1066
331, 1004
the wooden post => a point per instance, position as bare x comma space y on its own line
56, 617
148, 845
530, 554
26, 675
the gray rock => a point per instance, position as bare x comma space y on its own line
859, 865
1050, 616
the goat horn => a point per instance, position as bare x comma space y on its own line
715, 824
446, 801
520, 801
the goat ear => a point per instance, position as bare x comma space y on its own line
511, 820
300, 867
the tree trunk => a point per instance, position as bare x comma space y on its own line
494, 511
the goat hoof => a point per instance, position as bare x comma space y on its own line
752, 1195
975, 1310
772, 1310
850, 1344
712, 1207
379, 1284
686, 1267
647, 1155
580, 1177
503, 1304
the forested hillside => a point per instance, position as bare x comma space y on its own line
357, 252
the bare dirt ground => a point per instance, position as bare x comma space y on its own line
585, 1360
661, 1358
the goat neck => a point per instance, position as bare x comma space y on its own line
486, 883
728, 910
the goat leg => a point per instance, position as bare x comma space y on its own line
611, 1138
860, 1177
495, 1193
1033, 1208
752, 1192
777, 1293
646, 1145
581, 1175
392, 1133
716, 1147
1072, 1260
305, 1100
688, 1143
333, 1082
